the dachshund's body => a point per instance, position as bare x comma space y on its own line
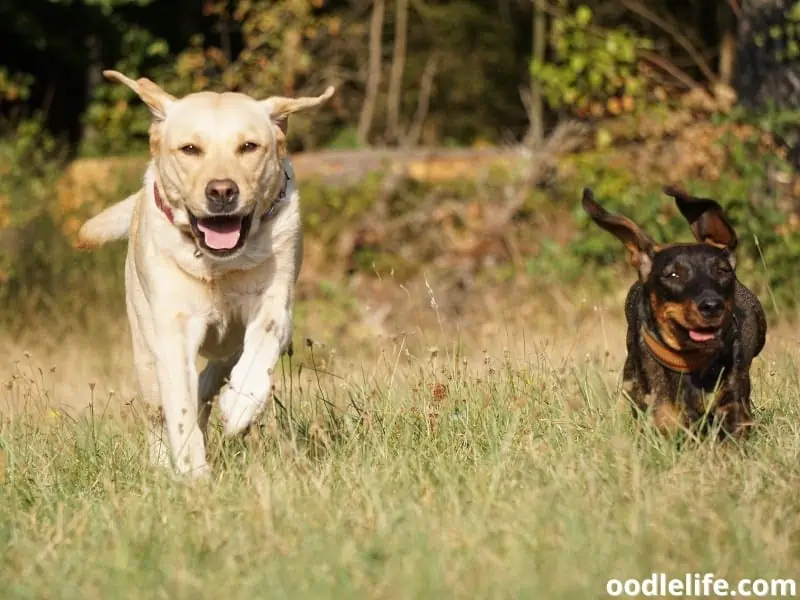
693, 328
677, 398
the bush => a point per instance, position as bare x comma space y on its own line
591, 72
41, 275
763, 216
437, 228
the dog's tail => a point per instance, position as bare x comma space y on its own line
112, 224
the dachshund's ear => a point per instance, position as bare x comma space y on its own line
706, 218
640, 246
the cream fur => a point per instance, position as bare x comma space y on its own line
183, 301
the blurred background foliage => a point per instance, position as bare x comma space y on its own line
701, 91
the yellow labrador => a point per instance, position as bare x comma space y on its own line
214, 251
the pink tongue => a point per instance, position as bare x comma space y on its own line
220, 235
699, 336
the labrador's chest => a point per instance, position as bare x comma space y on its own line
232, 304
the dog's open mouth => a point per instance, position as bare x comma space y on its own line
703, 336
221, 236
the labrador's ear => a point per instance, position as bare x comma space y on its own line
280, 107
640, 246
156, 99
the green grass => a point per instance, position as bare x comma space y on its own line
499, 479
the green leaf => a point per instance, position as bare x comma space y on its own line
603, 138
158, 48
578, 63
583, 15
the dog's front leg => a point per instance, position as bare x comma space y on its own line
266, 336
177, 347
733, 408
732, 405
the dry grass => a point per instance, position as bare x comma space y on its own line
479, 462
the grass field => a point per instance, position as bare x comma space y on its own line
434, 469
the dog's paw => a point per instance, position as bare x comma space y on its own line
238, 410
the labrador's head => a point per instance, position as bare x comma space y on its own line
218, 158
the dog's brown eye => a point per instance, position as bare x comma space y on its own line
248, 147
190, 150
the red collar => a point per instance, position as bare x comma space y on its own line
163, 205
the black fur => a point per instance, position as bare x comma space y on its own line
692, 280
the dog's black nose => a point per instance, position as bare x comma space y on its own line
711, 307
222, 195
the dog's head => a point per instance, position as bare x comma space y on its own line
219, 158
690, 287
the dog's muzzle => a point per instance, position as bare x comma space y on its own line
222, 235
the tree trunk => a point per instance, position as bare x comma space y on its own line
373, 74
396, 74
425, 91
727, 46
536, 133
766, 73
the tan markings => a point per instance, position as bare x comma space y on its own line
667, 418
666, 314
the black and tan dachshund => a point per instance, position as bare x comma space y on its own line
693, 328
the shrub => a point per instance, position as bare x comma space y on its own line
40, 274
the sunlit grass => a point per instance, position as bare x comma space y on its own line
413, 478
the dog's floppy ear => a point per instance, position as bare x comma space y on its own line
640, 246
280, 107
706, 218
156, 99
